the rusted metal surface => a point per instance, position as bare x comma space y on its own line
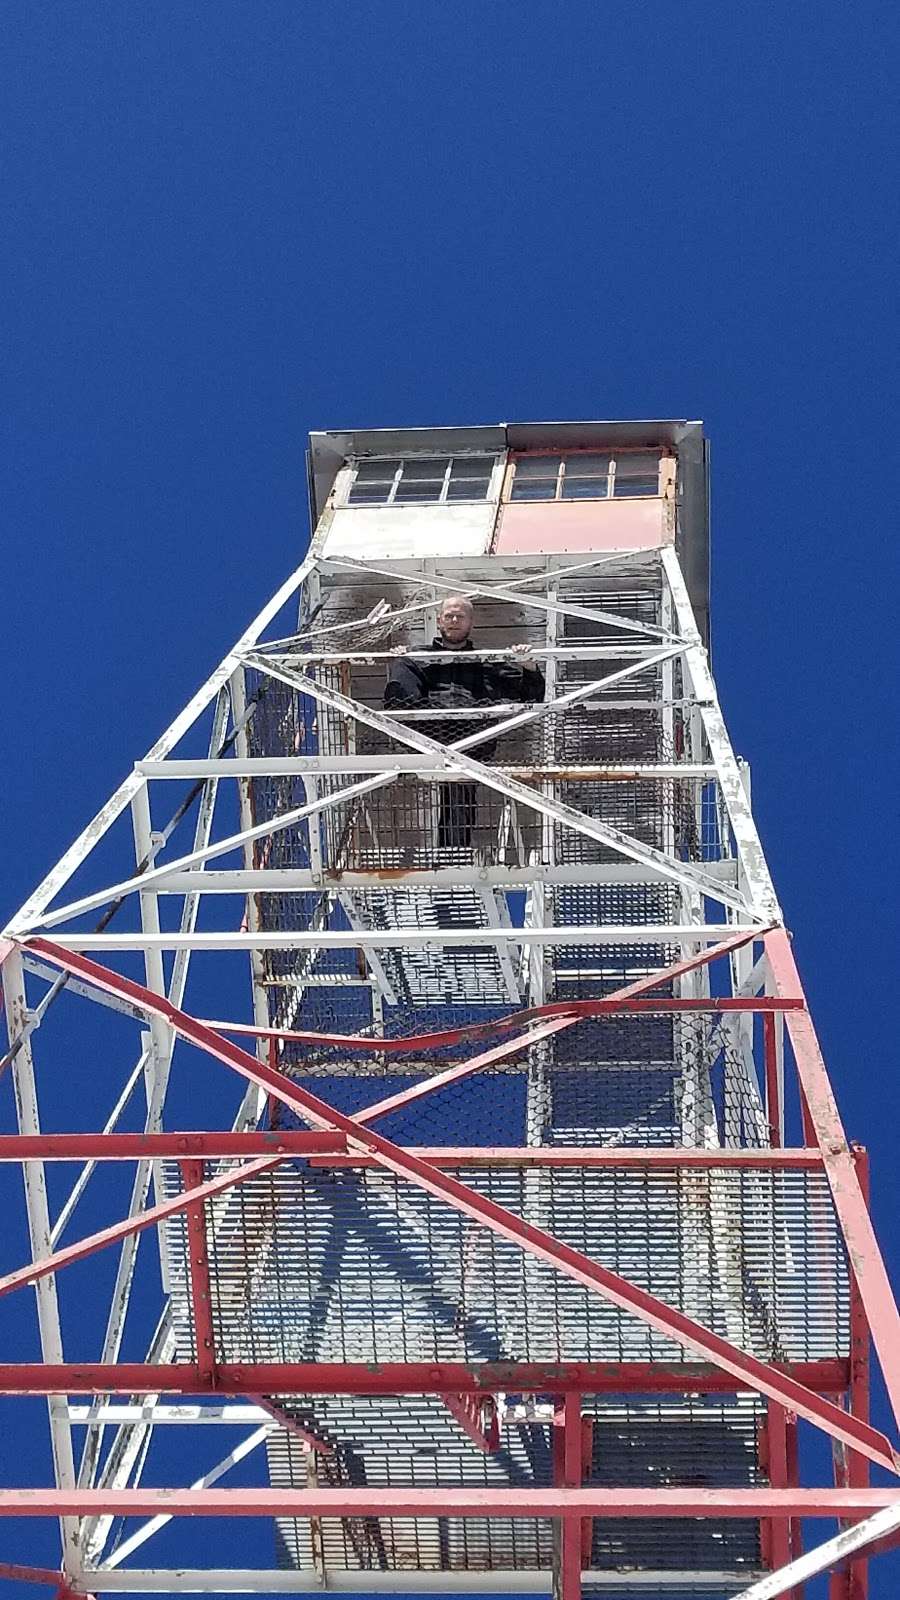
395, 1502
402, 1377
105, 1236
198, 1257
755, 1374
865, 1257
573, 526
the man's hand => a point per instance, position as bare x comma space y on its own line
522, 653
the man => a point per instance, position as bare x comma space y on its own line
451, 682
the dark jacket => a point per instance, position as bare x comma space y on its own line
451, 683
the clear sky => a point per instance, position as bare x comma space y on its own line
226, 224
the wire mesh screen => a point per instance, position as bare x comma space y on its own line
634, 1442
342, 1263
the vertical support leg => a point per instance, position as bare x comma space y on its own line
774, 1111
793, 1478
192, 1175
161, 1038
28, 1121
568, 1460
851, 1470
777, 1531
251, 1109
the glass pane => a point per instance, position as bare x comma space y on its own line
587, 466
417, 491
583, 488
427, 467
637, 464
533, 488
368, 494
471, 467
537, 466
627, 488
467, 488
376, 471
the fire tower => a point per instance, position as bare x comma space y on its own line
478, 1212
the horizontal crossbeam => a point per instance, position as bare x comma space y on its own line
386, 1377
565, 815
595, 1501
311, 766
133, 1224
674, 1324
331, 1149
294, 880
402, 938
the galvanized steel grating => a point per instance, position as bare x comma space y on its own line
346, 1265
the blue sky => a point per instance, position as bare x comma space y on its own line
226, 225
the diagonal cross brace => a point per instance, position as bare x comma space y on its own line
671, 1323
514, 592
850, 1205
603, 833
134, 1224
145, 880
561, 1018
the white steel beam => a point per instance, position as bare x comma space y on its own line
236, 1414
111, 1122
34, 1177
383, 616
149, 1528
749, 848
253, 1100
179, 969
380, 939
665, 865
825, 1556
579, 652
293, 880
289, 766
59, 875
144, 842
308, 1580
141, 882
679, 871
506, 592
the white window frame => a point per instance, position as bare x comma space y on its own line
493, 489
562, 459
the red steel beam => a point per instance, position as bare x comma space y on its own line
851, 1582
567, 1475
623, 1000
121, 1230
607, 1006
20, 1574
595, 1501
620, 1156
464, 1069
620, 1000
291, 1425
467, 1411
773, 1098
249, 1379
330, 1149
750, 1371
198, 1255
849, 1201
777, 1529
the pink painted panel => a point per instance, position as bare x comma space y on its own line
535, 526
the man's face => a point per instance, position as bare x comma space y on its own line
455, 620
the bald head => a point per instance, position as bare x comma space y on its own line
455, 619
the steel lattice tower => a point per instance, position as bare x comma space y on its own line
517, 1234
